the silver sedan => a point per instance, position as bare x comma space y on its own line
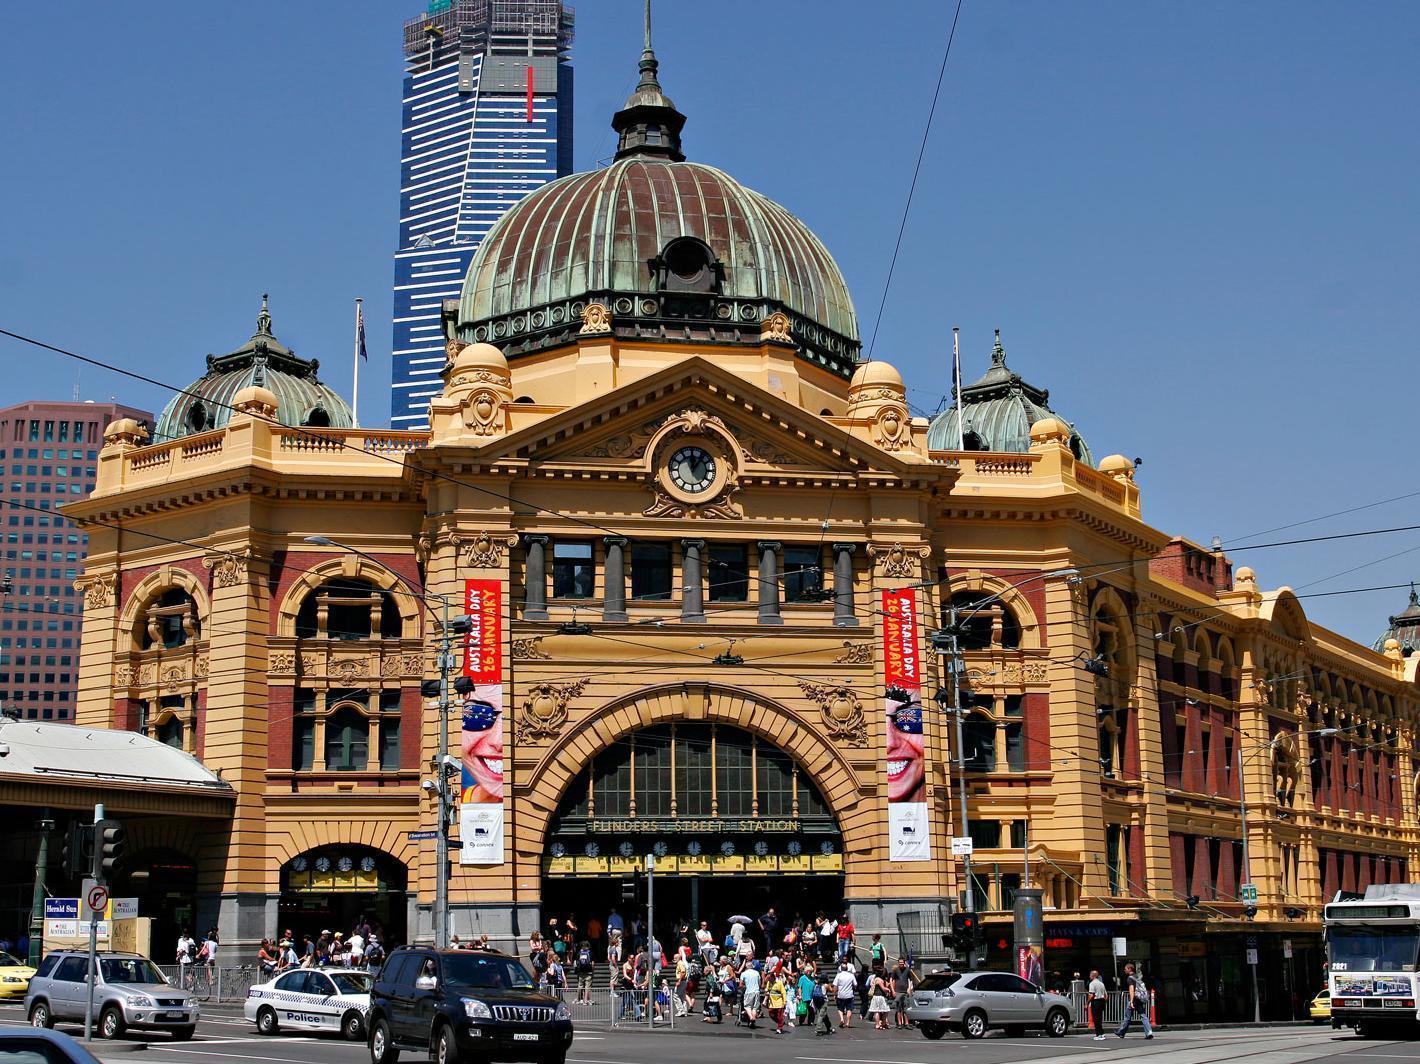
975, 1002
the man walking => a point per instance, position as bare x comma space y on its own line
902, 983
845, 988
1096, 997
1136, 998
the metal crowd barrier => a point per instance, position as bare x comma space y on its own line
216, 983
629, 1007
1114, 1008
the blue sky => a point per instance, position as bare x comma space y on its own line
1194, 223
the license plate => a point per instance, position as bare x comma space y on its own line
173, 1016
521, 1036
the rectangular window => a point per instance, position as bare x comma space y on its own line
1018, 834
1015, 748
651, 571
389, 743
303, 737
573, 576
1114, 845
979, 744
727, 573
693, 767
985, 834
653, 772
803, 573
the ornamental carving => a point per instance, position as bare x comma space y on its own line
423, 547
401, 665
663, 505
174, 677
892, 433
199, 667
544, 710
841, 710
283, 661
229, 568
855, 654
349, 669
775, 329
899, 562
624, 445
147, 675
123, 676
310, 663
97, 589
977, 680
452, 347
484, 550
530, 649
596, 318
481, 412
717, 502
1022, 672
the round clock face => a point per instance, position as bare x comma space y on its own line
322, 864
345, 864
626, 849
300, 864
692, 469
367, 864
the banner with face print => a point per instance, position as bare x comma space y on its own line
481, 793
908, 835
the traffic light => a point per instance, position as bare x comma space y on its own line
110, 842
631, 888
966, 931
79, 851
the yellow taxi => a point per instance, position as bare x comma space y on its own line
1320, 1008
14, 977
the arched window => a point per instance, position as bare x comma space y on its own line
973, 441
984, 626
349, 609
197, 418
1112, 665
169, 621
347, 740
170, 733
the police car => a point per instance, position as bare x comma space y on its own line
312, 999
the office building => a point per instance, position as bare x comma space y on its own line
48, 456
487, 118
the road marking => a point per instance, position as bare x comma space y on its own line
228, 1056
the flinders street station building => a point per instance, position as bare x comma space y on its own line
709, 560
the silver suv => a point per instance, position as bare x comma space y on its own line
129, 991
975, 1002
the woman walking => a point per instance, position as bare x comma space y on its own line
778, 1000
877, 1004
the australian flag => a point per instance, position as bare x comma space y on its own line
360, 332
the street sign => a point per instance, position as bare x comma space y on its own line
96, 898
1247, 893
1121, 947
1252, 942
61, 908
86, 911
421, 836
961, 846
123, 908
1252, 956
1287, 949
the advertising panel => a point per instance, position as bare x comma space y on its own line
908, 836
481, 791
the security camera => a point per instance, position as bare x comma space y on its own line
451, 764
428, 785
4, 749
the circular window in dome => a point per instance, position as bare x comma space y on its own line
687, 258
197, 418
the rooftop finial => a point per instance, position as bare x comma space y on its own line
1414, 598
998, 353
649, 124
263, 318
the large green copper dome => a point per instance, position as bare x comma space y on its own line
676, 250
265, 361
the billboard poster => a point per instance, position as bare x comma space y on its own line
481, 790
908, 837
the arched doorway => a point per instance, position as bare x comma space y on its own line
335, 888
735, 823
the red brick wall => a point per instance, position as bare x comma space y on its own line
411, 717
279, 726
200, 741
125, 714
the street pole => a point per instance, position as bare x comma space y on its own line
93, 930
1247, 874
954, 669
46, 825
441, 844
650, 940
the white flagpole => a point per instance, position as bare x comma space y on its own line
956, 387
355, 391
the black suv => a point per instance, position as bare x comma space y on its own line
461, 1005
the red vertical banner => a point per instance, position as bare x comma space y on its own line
905, 756
530, 93
481, 793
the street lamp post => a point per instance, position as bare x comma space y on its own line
951, 703
441, 780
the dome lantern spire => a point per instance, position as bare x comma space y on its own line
649, 124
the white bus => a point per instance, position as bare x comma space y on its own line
1373, 945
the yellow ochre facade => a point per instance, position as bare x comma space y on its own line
656, 436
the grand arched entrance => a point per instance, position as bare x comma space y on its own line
335, 888
734, 822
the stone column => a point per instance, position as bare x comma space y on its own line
535, 579
769, 582
843, 615
692, 594
614, 577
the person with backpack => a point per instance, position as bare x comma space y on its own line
1136, 999
374, 954
713, 997
584, 966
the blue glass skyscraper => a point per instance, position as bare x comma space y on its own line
487, 118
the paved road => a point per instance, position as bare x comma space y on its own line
224, 1034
